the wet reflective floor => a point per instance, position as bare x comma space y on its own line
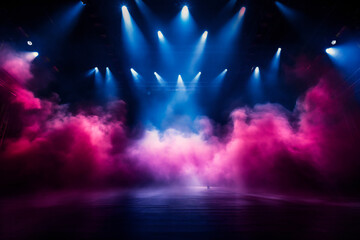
184, 213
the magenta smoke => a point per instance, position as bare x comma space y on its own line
312, 149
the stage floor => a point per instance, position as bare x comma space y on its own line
176, 213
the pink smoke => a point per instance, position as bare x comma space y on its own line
268, 148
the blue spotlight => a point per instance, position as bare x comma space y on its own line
198, 52
278, 52
91, 72
257, 72
196, 78
135, 75
184, 24
195, 81
185, 13
165, 50
275, 61
159, 79
274, 67
126, 16
254, 86
110, 85
133, 37
230, 32
69, 18
220, 77
133, 72
286, 11
346, 57
204, 36
99, 84
161, 36
146, 11
180, 86
332, 51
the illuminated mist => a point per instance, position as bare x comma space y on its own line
312, 149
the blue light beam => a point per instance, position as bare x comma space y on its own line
230, 32
346, 58
195, 81
180, 86
289, 13
254, 85
184, 24
110, 86
146, 11
273, 70
161, 36
220, 78
136, 45
165, 50
160, 80
136, 75
99, 84
185, 13
199, 50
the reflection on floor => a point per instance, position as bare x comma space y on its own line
181, 213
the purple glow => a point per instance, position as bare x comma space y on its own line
262, 147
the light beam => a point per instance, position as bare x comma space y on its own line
180, 86
135, 74
159, 79
185, 13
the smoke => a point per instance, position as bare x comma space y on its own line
312, 149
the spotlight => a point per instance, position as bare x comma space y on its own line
135, 74
196, 78
96, 69
30, 56
160, 35
185, 13
180, 86
84, 2
257, 71
331, 51
29, 43
159, 79
275, 64
126, 15
242, 11
220, 78
204, 36
333, 42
